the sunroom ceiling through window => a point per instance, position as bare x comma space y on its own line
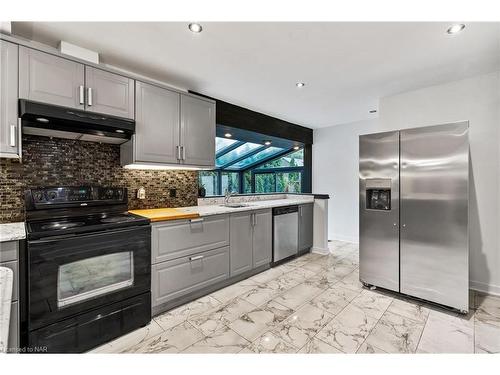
239, 155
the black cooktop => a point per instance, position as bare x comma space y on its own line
82, 224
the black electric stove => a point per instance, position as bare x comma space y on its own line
56, 211
87, 272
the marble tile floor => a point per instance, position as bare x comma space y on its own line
315, 304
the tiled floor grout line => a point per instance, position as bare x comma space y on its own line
423, 329
378, 320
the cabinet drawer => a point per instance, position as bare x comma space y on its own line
185, 237
175, 278
9, 251
14, 266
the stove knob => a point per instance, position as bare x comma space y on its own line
52, 195
39, 196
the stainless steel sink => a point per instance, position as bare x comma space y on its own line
234, 205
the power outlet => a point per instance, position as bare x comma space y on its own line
141, 193
173, 193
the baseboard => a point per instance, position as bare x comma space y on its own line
320, 250
484, 288
337, 237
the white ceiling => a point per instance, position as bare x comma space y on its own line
347, 67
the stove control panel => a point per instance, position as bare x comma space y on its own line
74, 195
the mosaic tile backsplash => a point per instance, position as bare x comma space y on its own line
51, 162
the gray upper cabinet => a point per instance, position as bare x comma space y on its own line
171, 128
306, 226
9, 131
197, 131
50, 79
157, 125
262, 237
109, 93
241, 240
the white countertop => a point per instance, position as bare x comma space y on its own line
216, 209
12, 232
6, 281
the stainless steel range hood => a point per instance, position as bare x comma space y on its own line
61, 122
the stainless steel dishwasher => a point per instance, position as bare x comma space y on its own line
285, 232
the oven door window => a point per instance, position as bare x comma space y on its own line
91, 277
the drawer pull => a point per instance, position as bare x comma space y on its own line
196, 257
196, 220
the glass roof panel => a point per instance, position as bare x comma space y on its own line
293, 159
222, 143
261, 155
236, 153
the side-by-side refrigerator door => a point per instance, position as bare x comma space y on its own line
379, 210
434, 214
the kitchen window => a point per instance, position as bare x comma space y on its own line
249, 167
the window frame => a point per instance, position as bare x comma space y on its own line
252, 168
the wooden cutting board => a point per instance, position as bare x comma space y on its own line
162, 214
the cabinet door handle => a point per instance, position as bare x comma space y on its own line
196, 257
178, 152
196, 220
89, 96
183, 152
13, 136
20, 138
82, 94
300, 211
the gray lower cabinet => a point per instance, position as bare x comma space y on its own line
156, 138
188, 256
197, 131
241, 239
306, 214
13, 341
262, 237
9, 257
14, 266
109, 93
251, 240
178, 238
175, 278
9, 131
50, 79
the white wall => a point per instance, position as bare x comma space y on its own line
477, 99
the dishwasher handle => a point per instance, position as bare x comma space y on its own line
285, 210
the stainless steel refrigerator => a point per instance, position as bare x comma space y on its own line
413, 212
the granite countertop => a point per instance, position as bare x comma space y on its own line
216, 209
6, 281
12, 232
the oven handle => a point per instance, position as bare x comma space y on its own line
86, 235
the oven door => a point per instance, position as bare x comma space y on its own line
70, 275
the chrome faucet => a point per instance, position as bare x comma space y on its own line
227, 195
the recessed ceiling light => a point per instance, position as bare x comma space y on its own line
119, 131
456, 28
296, 147
267, 143
228, 135
195, 27
41, 119
300, 84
